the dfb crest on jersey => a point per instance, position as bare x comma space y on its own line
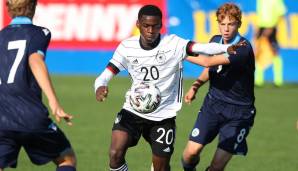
160, 57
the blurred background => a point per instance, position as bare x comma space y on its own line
86, 32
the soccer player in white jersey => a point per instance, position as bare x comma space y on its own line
25, 122
155, 58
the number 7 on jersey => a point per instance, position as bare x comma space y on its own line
20, 45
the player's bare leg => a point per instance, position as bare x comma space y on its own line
161, 163
220, 160
66, 160
191, 155
1, 169
119, 145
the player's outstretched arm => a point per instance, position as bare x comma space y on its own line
220, 59
191, 93
40, 72
215, 48
209, 48
208, 61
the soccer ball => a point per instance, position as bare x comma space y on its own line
144, 97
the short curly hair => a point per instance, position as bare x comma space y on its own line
21, 8
231, 10
150, 10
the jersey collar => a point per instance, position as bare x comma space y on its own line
235, 40
21, 20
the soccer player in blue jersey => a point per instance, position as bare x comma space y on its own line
24, 120
228, 109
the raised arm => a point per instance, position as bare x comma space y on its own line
40, 72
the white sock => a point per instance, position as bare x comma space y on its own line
124, 167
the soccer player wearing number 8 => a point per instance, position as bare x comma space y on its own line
24, 120
228, 109
157, 59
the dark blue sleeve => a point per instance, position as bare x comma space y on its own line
40, 41
241, 56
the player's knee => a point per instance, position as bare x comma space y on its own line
71, 160
68, 159
192, 150
116, 156
190, 153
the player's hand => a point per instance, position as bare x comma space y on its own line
232, 49
102, 93
190, 95
59, 113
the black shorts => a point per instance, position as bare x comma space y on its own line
159, 134
41, 147
231, 122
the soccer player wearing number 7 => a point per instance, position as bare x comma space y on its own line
24, 120
228, 109
155, 59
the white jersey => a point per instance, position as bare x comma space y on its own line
161, 66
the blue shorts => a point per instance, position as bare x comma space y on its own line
231, 122
41, 147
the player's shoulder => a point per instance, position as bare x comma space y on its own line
130, 42
4, 30
170, 37
247, 45
246, 40
41, 31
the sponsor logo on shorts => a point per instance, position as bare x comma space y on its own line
118, 119
53, 126
167, 150
195, 132
235, 146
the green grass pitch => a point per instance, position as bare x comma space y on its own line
273, 141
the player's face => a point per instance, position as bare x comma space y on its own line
149, 27
228, 28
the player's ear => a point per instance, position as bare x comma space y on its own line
138, 24
239, 24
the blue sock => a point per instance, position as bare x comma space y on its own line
66, 168
189, 166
